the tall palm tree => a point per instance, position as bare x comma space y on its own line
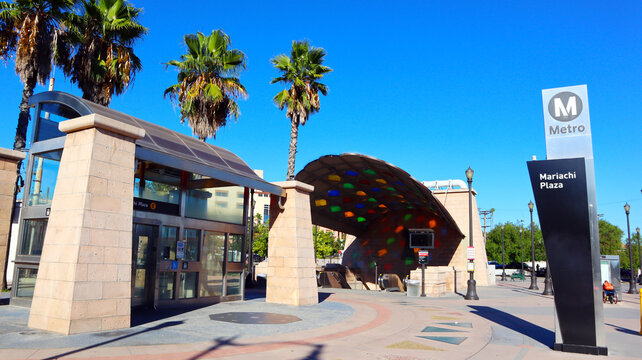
302, 70
29, 29
208, 82
103, 35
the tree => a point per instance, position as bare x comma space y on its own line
512, 244
610, 238
302, 70
261, 232
30, 29
207, 82
104, 62
327, 244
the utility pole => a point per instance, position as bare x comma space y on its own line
487, 214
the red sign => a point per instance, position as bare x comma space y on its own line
423, 253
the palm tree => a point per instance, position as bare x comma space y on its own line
207, 82
104, 63
29, 29
301, 71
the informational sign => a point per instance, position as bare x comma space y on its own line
180, 249
560, 190
424, 257
141, 204
174, 265
471, 253
567, 123
471, 267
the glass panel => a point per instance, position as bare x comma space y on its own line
169, 238
50, 115
26, 282
166, 281
235, 249
157, 183
233, 283
43, 181
212, 264
139, 283
188, 285
212, 199
33, 236
191, 243
141, 244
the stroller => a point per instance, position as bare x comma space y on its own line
608, 293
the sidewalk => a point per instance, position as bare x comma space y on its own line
508, 322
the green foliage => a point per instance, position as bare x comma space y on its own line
610, 238
512, 243
261, 231
624, 252
302, 70
30, 30
103, 36
327, 244
208, 82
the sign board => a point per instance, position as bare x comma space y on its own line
470, 267
180, 249
471, 253
560, 189
423, 253
421, 238
567, 123
174, 265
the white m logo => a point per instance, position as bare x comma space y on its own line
565, 106
561, 110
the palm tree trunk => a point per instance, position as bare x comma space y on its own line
294, 134
23, 119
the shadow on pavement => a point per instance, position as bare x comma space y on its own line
623, 330
252, 294
157, 327
535, 332
141, 316
315, 354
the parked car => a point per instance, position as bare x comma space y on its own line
497, 265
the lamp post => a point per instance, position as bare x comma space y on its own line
503, 261
639, 256
632, 287
471, 292
533, 275
548, 283
521, 239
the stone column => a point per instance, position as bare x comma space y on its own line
84, 277
291, 273
8, 166
456, 202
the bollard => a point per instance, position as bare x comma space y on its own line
640, 312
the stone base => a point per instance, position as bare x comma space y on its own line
441, 280
291, 271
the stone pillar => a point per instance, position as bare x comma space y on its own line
8, 166
84, 277
456, 202
291, 274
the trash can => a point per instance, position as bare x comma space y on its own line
413, 288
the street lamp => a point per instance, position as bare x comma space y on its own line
521, 239
533, 275
632, 287
548, 283
639, 256
471, 292
503, 262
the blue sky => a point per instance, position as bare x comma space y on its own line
431, 87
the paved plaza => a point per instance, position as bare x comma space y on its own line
508, 322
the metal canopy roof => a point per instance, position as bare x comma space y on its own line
169, 147
353, 191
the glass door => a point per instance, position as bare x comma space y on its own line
143, 263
